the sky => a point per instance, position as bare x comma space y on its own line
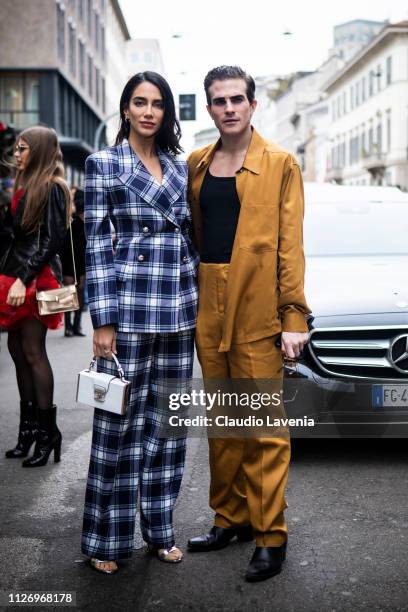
248, 33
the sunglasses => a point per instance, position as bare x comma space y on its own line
20, 148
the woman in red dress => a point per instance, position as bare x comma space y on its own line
31, 235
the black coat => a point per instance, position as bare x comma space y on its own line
24, 254
79, 240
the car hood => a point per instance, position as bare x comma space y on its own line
357, 284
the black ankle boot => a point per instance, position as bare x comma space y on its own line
77, 331
69, 332
48, 439
266, 562
27, 431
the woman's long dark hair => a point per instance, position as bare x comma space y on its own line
168, 137
44, 168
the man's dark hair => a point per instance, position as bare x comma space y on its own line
221, 73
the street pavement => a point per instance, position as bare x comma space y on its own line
347, 516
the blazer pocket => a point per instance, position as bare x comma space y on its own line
258, 227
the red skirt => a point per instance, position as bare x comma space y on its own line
11, 317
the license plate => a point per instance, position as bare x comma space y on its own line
386, 396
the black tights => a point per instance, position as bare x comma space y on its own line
35, 379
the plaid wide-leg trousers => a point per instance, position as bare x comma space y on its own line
129, 458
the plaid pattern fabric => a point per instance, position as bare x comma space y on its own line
127, 455
149, 284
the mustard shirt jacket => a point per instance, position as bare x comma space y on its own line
265, 287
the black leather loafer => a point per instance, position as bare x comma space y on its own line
266, 562
218, 538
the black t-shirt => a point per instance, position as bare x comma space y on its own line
220, 208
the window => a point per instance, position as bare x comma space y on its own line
338, 107
333, 157
89, 17
370, 139
72, 49
103, 95
96, 31
363, 89
389, 70
352, 97
378, 75
90, 76
97, 86
82, 63
379, 139
362, 141
103, 48
344, 102
371, 83
357, 93
61, 33
388, 131
19, 99
81, 9
333, 110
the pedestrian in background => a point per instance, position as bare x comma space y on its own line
143, 301
6, 193
35, 225
73, 327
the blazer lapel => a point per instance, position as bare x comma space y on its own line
141, 182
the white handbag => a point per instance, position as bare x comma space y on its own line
103, 391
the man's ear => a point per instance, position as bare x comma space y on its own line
208, 107
253, 105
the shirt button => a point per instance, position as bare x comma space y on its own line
177, 230
185, 259
140, 258
146, 230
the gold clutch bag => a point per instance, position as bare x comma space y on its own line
63, 299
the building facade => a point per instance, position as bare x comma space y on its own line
350, 37
117, 70
145, 54
53, 66
368, 102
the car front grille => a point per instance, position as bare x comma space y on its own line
361, 352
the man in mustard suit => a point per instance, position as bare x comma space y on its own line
246, 196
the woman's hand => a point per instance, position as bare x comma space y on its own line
104, 341
17, 293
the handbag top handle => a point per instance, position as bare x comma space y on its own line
72, 251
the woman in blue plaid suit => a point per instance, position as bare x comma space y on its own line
143, 302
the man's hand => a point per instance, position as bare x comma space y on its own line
293, 343
104, 341
17, 293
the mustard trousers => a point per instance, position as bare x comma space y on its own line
248, 475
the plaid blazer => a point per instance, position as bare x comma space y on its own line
149, 283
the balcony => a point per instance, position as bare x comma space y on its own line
335, 174
374, 162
